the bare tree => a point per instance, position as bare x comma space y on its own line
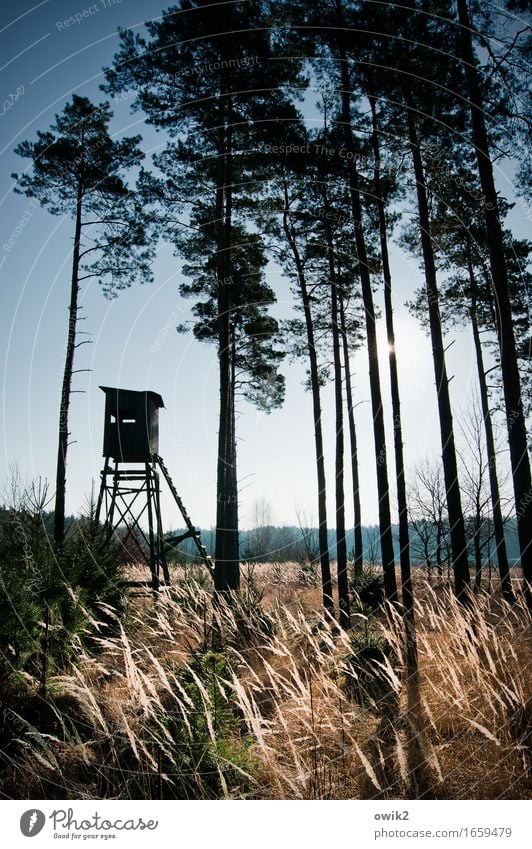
428, 515
260, 539
476, 487
371, 549
309, 537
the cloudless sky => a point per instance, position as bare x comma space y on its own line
134, 343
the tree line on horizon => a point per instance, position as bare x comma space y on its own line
417, 104
429, 543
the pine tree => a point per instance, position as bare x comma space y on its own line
409, 44
317, 232
295, 261
206, 76
76, 170
517, 436
467, 298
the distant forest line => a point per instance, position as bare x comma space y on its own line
289, 543
286, 543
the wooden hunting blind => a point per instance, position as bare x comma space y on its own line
131, 431
130, 484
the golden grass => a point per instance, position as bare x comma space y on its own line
277, 717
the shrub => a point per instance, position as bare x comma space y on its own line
51, 598
308, 573
365, 680
368, 590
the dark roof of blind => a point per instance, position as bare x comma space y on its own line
153, 396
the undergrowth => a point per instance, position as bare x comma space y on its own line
260, 697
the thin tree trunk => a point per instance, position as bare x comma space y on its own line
387, 552
357, 527
341, 546
498, 524
450, 471
404, 540
517, 436
477, 549
439, 561
45, 649
323, 539
60, 482
233, 503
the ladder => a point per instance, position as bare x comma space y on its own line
192, 532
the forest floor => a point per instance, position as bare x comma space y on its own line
265, 699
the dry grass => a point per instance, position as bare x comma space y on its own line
256, 701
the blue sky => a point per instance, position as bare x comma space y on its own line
134, 343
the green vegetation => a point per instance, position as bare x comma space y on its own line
51, 599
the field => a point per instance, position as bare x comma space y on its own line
264, 699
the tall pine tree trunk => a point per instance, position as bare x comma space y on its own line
341, 546
225, 442
227, 573
387, 552
450, 470
498, 524
323, 537
221, 544
233, 574
517, 436
404, 539
66, 389
357, 527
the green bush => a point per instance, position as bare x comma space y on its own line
50, 598
364, 678
367, 590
